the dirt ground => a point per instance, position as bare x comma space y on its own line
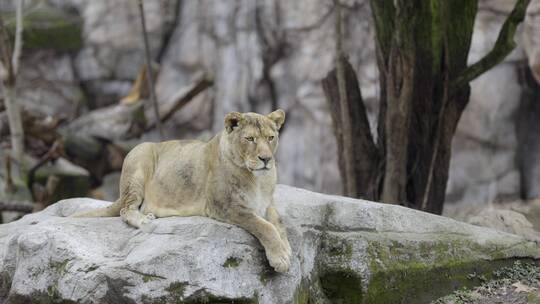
518, 284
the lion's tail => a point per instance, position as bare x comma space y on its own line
111, 210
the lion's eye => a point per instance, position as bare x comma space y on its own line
270, 138
249, 138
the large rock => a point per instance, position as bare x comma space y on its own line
344, 251
506, 220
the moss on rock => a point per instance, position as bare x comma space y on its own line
49, 28
337, 247
176, 290
401, 273
402, 270
232, 262
60, 267
301, 295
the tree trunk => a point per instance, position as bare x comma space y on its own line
399, 73
346, 130
422, 49
365, 155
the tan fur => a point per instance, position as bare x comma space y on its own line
225, 179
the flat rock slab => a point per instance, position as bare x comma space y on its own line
344, 250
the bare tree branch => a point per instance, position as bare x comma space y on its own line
5, 54
18, 37
9, 187
150, 77
503, 46
25, 207
8, 87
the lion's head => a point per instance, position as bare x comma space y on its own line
253, 139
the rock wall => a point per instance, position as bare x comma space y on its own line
493, 138
273, 53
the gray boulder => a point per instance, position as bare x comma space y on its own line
506, 220
344, 251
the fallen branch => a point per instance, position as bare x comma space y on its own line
139, 90
25, 207
149, 76
182, 98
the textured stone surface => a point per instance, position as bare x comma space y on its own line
356, 251
113, 49
48, 85
506, 220
494, 216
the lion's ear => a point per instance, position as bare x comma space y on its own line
232, 120
278, 116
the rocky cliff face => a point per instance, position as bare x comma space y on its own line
267, 54
494, 149
344, 251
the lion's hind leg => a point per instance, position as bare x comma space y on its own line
132, 196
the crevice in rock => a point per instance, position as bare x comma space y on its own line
146, 277
274, 47
342, 286
528, 128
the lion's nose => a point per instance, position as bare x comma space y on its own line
265, 159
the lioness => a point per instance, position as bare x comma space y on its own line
230, 178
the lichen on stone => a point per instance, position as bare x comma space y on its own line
232, 262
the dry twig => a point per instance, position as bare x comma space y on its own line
150, 77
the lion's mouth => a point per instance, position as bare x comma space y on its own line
259, 167
262, 169
265, 168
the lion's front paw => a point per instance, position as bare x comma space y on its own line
146, 223
146, 219
279, 258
